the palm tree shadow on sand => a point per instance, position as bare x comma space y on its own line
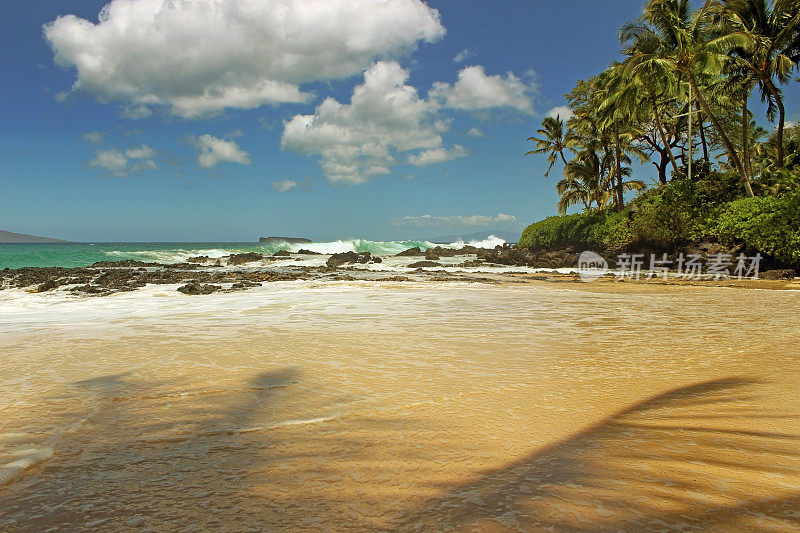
153, 453
174, 456
681, 460
158, 454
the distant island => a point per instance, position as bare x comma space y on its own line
290, 240
7, 237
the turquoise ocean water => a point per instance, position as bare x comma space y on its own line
84, 254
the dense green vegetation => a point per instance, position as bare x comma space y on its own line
679, 100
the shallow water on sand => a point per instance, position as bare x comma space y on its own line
411, 406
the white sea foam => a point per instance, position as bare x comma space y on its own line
176, 255
15, 469
380, 248
489, 242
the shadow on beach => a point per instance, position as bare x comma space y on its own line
155, 454
679, 460
171, 457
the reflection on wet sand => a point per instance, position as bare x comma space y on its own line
532, 410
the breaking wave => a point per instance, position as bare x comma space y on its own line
79, 254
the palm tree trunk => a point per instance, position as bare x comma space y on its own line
702, 128
722, 135
618, 156
781, 117
561, 153
661, 131
745, 142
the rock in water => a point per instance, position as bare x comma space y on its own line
431, 255
281, 253
197, 288
48, 285
411, 252
348, 258
240, 259
420, 264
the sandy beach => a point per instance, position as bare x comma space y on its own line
416, 406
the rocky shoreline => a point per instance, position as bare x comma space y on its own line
204, 275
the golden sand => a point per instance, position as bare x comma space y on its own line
415, 406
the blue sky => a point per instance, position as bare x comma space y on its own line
253, 127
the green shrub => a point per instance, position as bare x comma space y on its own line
672, 215
613, 230
559, 231
769, 224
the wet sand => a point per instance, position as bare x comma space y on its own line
416, 406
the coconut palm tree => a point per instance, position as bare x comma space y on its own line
618, 110
775, 31
689, 46
590, 178
584, 181
649, 81
553, 141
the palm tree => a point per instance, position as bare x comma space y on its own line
589, 179
646, 79
618, 111
572, 191
774, 28
584, 181
554, 140
689, 47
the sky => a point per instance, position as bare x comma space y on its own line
157, 120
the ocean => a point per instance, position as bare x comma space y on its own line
19, 255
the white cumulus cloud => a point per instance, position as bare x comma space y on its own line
455, 220
361, 140
475, 90
120, 163
142, 152
561, 111
212, 151
475, 132
436, 155
199, 57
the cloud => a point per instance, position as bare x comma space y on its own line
474, 90
562, 111
213, 151
142, 152
463, 55
94, 137
111, 160
455, 220
361, 140
284, 185
475, 132
200, 57
288, 185
437, 155
115, 162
